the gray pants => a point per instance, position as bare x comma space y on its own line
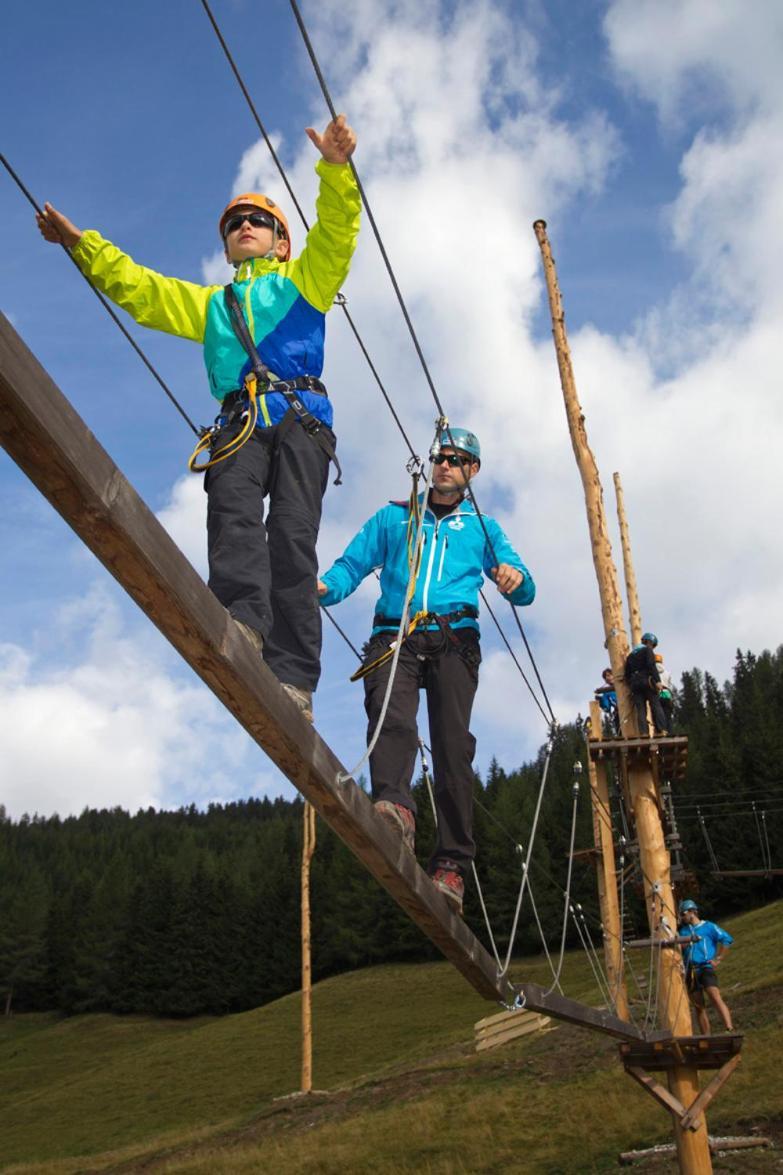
431, 662
266, 574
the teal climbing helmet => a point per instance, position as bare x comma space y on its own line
462, 439
688, 904
651, 637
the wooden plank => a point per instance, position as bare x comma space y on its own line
510, 1034
43, 434
748, 873
501, 1019
657, 1091
562, 1008
679, 940
515, 1019
709, 1092
702, 1052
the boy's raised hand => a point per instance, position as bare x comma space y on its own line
337, 143
56, 228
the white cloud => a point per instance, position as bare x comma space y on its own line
97, 717
461, 146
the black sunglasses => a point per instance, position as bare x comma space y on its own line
452, 459
257, 219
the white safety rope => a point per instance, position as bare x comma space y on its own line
344, 777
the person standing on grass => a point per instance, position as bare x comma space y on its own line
705, 952
263, 337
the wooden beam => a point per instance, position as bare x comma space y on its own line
657, 1091
709, 1091
747, 873
47, 439
606, 875
41, 431
535, 999
631, 590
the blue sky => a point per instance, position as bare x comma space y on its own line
647, 134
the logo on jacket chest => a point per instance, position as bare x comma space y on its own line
456, 523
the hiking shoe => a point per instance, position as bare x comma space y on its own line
302, 697
253, 635
447, 878
401, 820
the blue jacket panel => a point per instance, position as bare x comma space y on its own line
455, 558
708, 937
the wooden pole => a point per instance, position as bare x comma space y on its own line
674, 1010
634, 613
308, 848
607, 874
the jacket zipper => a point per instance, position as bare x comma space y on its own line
442, 555
429, 567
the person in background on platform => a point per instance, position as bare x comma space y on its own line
665, 693
441, 655
642, 679
607, 700
705, 952
271, 316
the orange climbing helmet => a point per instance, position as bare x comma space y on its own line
257, 200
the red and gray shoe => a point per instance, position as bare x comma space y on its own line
447, 878
401, 820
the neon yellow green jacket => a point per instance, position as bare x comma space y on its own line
285, 302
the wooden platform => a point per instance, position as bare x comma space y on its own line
683, 1052
669, 755
702, 1052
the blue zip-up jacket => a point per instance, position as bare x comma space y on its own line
708, 937
455, 557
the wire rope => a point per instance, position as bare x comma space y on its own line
289, 188
411, 329
575, 790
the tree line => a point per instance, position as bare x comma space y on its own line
193, 912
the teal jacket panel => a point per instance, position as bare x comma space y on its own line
455, 559
285, 302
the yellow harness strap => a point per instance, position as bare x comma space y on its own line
363, 670
234, 445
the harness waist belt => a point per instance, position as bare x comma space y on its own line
302, 383
468, 611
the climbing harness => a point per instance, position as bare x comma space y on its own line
423, 619
260, 381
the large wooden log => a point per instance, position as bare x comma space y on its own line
47, 439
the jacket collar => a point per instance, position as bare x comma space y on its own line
254, 267
465, 506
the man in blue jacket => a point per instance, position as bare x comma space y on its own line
709, 943
441, 655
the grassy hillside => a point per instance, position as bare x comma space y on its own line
393, 1047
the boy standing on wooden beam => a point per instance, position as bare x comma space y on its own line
442, 654
263, 337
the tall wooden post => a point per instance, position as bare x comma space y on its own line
634, 612
606, 874
692, 1146
308, 848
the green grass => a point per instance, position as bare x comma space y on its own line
393, 1045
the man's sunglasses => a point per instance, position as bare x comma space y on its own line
452, 459
257, 219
